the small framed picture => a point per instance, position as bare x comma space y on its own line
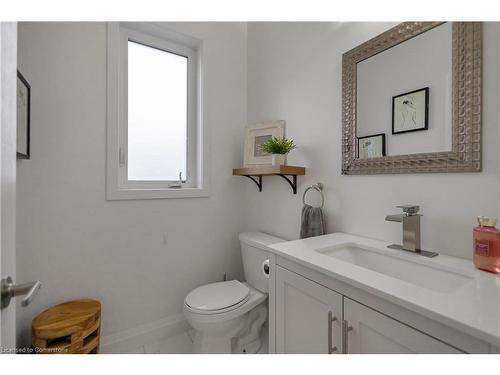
371, 146
23, 117
256, 136
410, 111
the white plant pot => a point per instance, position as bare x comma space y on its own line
278, 159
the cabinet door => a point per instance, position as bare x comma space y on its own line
371, 332
308, 315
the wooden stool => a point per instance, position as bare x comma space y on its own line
72, 327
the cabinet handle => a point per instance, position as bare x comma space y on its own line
345, 333
331, 319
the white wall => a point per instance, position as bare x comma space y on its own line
139, 258
294, 73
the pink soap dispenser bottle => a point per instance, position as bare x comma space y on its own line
487, 245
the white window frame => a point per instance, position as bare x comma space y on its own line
117, 184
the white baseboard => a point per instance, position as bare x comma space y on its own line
131, 340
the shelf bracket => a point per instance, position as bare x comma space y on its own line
291, 179
258, 183
293, 183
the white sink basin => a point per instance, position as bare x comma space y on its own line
427, 276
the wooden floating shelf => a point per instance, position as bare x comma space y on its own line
269, 170
255, 173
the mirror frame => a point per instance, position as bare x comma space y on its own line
465, 155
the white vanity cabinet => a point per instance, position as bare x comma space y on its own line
381, 300
308, 316
312, 318
371, 332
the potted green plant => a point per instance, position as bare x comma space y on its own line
278, 148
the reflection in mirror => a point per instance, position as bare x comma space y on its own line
404, 97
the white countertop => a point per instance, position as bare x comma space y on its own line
473, 308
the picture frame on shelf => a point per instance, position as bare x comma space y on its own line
255, 136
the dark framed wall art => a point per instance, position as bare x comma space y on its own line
23, 117
371, 146
410, 111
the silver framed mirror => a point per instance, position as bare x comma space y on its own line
452, 115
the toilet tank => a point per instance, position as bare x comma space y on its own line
254, 253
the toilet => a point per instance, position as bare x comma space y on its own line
228, 316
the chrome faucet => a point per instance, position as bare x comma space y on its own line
410, 218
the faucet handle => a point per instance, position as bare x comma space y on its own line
409, 209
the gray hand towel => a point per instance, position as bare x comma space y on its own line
312, 223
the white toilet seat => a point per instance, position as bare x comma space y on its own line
254, 298
216, 298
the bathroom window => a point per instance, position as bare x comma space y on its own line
155, 143
157, 114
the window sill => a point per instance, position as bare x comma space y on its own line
128, 194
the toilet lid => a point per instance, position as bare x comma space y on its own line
217, 296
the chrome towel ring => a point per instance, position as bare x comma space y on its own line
319, 188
